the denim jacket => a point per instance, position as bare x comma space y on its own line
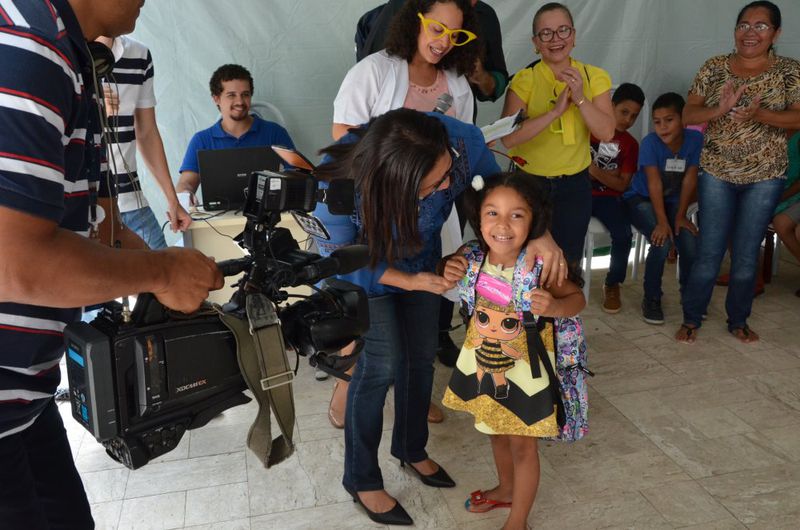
474, 159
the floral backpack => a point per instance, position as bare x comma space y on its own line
568, 338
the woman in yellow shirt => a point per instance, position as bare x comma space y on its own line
565, 100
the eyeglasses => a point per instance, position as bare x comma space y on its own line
435, 30
454, 155
546, 35
436, 188
758, 27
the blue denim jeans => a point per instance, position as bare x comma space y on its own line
611, 211
40, 489
643, 217
400, 347
738, 213
143, 222
571, 199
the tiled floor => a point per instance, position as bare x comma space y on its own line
702, 436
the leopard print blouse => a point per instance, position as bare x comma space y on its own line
744, 153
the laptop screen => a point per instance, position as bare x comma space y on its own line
224, 174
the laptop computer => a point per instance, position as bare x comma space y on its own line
224, 174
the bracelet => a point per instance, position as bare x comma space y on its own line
581, 102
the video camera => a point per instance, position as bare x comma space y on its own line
139, 379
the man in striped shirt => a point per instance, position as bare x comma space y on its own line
130, 105
50, 151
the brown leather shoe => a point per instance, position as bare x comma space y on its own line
612, 302
435, 414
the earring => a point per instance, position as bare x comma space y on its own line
536, 50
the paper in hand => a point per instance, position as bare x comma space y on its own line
502, 127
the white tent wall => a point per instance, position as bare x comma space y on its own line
299, 50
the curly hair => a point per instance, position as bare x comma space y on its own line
228, 72
532, 192
403, 35
528, 188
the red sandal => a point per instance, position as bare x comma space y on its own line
478, 498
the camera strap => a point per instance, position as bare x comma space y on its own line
265, 368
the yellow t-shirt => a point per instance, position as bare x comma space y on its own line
563, 147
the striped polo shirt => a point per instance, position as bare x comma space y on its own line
132, 80
49, 154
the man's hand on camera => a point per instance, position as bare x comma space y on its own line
189, 276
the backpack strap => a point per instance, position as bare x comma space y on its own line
533, 329
466, 286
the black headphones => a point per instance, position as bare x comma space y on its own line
102, 57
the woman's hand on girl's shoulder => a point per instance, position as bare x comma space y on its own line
554, 266
455, 268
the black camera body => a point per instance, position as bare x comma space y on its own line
140, 379
138, 386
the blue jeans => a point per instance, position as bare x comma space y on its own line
738, 213
571, 199
643, 217
143, 222
611, 211
40, 489
400, 347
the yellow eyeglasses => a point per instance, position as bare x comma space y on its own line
435, 30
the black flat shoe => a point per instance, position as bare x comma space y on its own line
396, 516
440, 479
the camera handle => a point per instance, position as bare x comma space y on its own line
265, 368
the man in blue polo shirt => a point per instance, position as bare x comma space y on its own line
50, 147
232, 91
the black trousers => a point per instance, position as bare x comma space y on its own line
40, 488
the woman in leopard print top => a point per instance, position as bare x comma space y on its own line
749, 99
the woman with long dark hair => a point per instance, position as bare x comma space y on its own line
408, 169
749, 98
430, 49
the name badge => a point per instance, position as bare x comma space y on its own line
677, 165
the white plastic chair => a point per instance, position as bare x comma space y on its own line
267, 111
776, 250
596, 228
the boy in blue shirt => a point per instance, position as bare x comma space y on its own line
661, 191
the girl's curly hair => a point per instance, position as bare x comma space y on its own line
529, 188
533, 192
404, 33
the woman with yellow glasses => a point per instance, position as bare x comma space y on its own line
429, 51
565, 101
